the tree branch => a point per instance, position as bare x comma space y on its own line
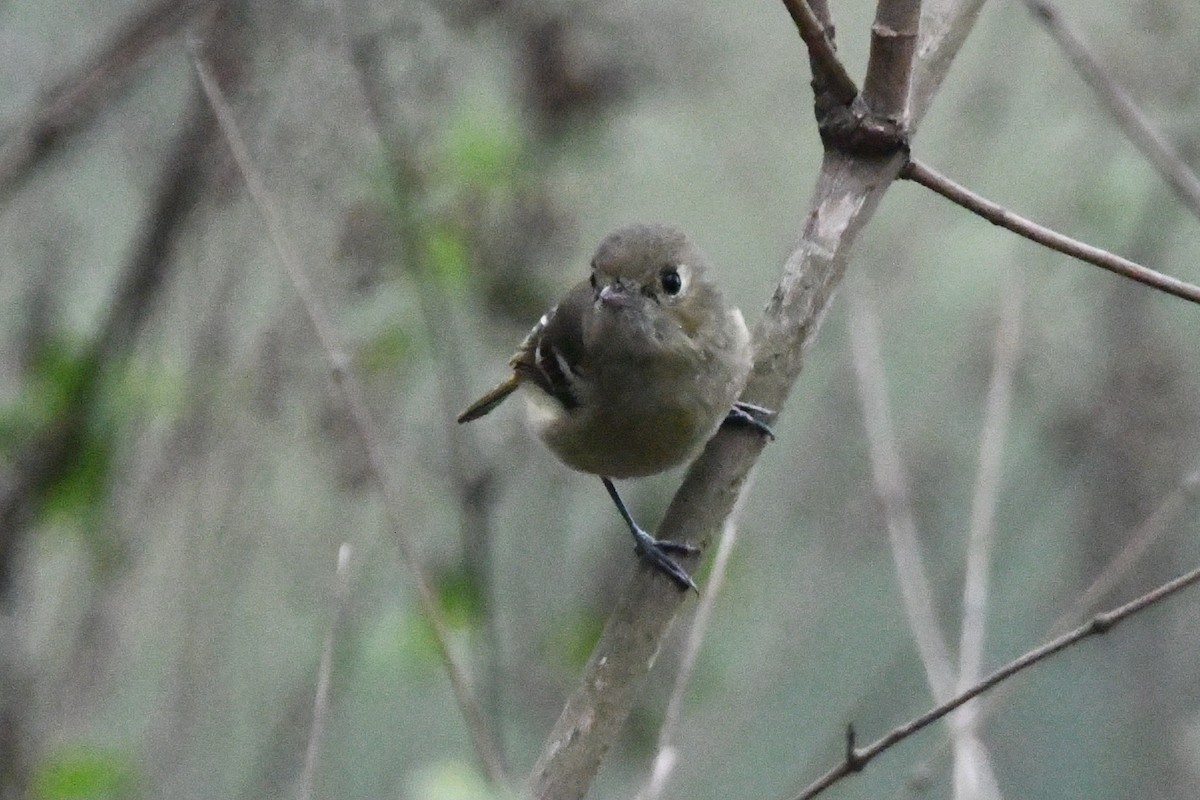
829, 74
890, 63
320, 713
857, 758
665, 756
891, 487
70, 104
944, 27
998, 215
1157, 149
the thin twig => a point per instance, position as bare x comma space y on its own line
324, 672
472, 478
829, 74
360, 417
972, 778
1099, 624
1146, 534
666, 756
891, 487
1157, 149
998, 215
982, 528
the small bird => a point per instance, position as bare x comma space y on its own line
634, 370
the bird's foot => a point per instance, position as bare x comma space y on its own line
657, 553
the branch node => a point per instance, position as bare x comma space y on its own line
854, 760
856, 131
1102, 622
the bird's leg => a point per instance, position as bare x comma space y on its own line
655, 551
750, 415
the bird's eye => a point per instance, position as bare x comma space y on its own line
672, 283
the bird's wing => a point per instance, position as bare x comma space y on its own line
550, 357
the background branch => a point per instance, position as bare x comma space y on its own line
1157, 149
1099, 624
666, 755
71, 104
320, 707
891, 487
486, 747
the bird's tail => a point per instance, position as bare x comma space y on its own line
490, 400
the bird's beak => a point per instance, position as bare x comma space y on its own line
616, 295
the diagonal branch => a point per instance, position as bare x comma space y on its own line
360, 417
999, 215
857, 758
320, 715
891, 486
667, 755
829, 74
1157, 149
68, 106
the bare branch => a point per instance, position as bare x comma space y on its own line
829, 74
944, 27
998, 215
1157, 149
316, 731
891, 487
973, 775
1099, 624
890, 64
987, 484
74, 101
360, 417
665, 755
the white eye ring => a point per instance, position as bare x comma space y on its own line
674, 279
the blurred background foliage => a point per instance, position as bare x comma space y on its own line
178, 471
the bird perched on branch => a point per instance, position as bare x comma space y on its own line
635, 369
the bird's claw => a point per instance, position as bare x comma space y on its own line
655, 552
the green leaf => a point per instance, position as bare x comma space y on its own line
461, 598
448, 256
83, 771
483, 150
